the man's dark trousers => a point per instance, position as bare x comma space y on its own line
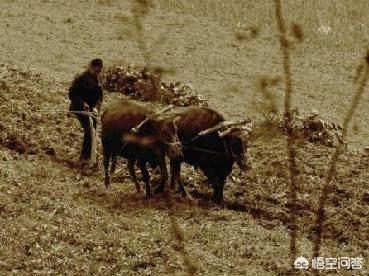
87, 139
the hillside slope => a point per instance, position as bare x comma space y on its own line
56, 218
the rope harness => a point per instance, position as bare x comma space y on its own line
175, 143
92, 114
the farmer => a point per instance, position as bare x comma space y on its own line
86, 94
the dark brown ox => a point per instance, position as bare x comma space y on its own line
131, 131
213, 154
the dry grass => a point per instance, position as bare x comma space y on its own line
348, 20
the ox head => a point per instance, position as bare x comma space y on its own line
168, 135
165, 129
236, 142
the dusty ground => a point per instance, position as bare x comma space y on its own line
55, 219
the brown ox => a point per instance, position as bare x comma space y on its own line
130, 130
213, 153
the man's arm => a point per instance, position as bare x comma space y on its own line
77, 86
100, 98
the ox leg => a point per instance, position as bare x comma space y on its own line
218, 193
218, 187
132, 173
175, 169
113, 164
106, 160
146, 177
163, 174
173, 173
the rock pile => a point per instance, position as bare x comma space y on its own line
147, 86
325, 132
311, 128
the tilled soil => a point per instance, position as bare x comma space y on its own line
58, 217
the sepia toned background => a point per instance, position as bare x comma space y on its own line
58, 220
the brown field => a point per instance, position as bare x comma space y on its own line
57, 219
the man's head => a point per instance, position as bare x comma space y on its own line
95, 67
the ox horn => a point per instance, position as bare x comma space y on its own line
225, 132
169, 113
136, 128
166, 109
223, 125
243, 130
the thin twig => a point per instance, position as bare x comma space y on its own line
139, 10
288, 117
319, 223
177, 232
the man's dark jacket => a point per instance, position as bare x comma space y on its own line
85, 88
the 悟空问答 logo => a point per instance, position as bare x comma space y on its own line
301, 263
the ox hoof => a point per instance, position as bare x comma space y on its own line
182, 191
159, 190
184, 194
138, 188
217, 200
148, 196
107, 184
